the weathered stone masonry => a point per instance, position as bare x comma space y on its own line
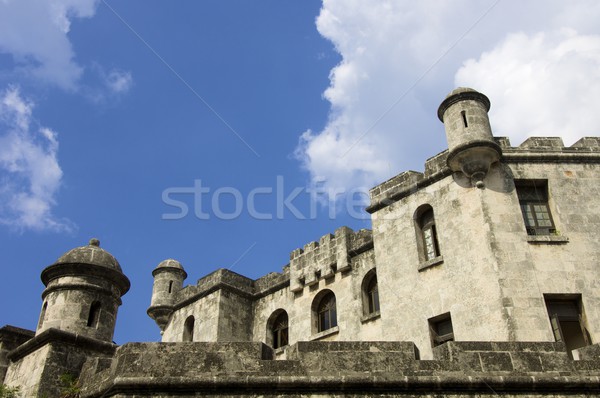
480, 277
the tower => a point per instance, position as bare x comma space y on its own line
471, 146
83, 293
168, 280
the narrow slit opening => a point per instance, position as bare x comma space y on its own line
464, 118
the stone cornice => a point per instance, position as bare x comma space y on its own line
60, 336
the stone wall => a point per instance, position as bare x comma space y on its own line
318, 369
38, 364
205, 311
231, 307
491, 275
10, 338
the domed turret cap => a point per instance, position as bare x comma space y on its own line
90, 254
90, 259
169, 264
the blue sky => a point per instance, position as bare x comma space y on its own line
109, 107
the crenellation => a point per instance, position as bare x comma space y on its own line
330, 255
587, 144
225, 278
436, 164
543, 143
272, 281
395, 184
361, 241
503, 142
310, 246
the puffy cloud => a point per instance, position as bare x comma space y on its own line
105, 87
118, 82
400, 58
545, 84
35, 32
30, 174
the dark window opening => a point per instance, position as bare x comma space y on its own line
280, 330
568, 321
170, 286
326, 312
371, 293
533, 199
94, 314
188, 329
464, 118
441, 329
428, 231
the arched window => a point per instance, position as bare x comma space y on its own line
370, 292
427, 233
43, 315
278, 329
326, 312
188, 329
94, 315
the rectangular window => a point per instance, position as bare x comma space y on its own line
430, 244
440, 328
568, 320
533, 198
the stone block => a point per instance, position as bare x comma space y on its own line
526, 361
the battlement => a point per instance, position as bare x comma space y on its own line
531, 369
331, 254
272, 281
532, 150
219, 279
315, 261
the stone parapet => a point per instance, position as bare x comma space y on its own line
529, 357
532, 150
38, 364
10, 338
219, 279
322, 259
342, 368
272, 281
331, 254
233, 282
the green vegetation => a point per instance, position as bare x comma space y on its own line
69, 386
8, 392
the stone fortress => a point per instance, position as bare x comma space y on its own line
480, 277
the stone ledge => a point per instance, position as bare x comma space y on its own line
325, 333
355, 346
370, 317
590, 352
431, 263
547, 239
11, 337
60, 336
359, 384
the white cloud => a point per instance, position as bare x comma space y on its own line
399, 59
30, 175
108, 86
118, 82
545, 84
35, 33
